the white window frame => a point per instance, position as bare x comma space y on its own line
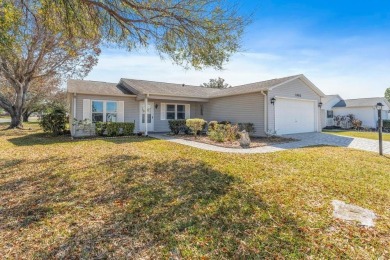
105, 109
175, 104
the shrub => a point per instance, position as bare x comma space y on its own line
196, 125
114, 128
100, 128
219, 134
177, 125
212, 125
231, 132
386, 124
249, 127
54, 122
357, 124
224, 122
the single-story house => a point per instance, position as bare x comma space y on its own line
282, 106
363, 109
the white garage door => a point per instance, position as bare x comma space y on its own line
294, 116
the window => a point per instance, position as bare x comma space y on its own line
104, 111
171, 110
97, 111
111, 111
329, 114
181, 112
176, 111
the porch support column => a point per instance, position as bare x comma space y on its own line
146, 115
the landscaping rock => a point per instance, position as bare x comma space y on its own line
350, 212
245, 141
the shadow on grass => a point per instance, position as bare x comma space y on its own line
160, 209
45, 139
34, 194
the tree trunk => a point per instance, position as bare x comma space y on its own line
16, 120
17, 110
26, 115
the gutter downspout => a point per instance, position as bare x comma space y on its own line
74, 114
146, 114
265, 111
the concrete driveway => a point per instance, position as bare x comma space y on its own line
306, 139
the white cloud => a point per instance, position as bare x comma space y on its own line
352, 67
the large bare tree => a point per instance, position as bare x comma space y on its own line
40, 38
32, 53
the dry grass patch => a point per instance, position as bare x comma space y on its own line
147, 198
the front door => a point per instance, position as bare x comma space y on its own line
146, 115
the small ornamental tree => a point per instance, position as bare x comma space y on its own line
195, 125
387, 94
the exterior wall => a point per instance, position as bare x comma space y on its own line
162, 125
131, 107
328, 105
246, 108
368, 115
291, 90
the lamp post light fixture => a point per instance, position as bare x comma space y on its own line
379, 107
273, 101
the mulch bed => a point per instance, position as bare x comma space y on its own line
255, 141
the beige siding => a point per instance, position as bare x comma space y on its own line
246, 108
291, 90
162, 125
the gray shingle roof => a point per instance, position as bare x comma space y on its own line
170, 89
135, 87
252, 87
360, 102
97, 88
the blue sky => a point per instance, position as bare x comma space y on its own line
341, 46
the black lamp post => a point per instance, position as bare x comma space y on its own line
379, 108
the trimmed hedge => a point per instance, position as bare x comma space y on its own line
176, 126
196, 125
114, 129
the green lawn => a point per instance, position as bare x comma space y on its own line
368, 135
146, 198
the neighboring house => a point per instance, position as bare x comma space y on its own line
363, 109
284, 105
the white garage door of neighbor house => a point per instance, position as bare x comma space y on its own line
294, 116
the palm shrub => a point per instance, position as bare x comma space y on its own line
54, 121
195, 125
